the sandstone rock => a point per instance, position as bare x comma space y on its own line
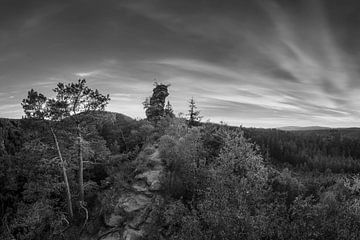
114, 220
140, 218
155, 157
137, 210
150, 176
133, 202
155, 186
140, 186
132, 234
112, 236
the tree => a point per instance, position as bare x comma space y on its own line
35, 108
194, 115
156, 103
34, 105
73, 100
168, 110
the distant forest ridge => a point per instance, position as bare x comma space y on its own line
296, 128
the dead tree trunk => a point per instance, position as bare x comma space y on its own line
81, 166
62, 163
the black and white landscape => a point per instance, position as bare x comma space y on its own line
171, 120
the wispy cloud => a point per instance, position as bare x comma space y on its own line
259, 63
88, 74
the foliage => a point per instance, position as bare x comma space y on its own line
244, 198
182, 156
34, 105
74, 98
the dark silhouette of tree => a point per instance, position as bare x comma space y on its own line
168, 110
155, 106
34, 105
194, 115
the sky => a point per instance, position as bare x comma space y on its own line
256, 63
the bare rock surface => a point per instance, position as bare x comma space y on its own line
114, 220
150, 176
140, 186
134, 210
133, 202
132, 234
113, 236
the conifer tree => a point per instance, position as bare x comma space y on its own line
34, 105
194, 115
168, 110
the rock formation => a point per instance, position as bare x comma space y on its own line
131, 217
155, 108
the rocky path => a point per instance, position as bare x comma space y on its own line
133, 210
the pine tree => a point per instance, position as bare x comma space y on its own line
194, 115
34, 105
73, 100
168, 110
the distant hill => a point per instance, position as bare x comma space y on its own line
309, 128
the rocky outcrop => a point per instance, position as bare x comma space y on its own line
114, 220
155, 107
132, 234
132, 214
152, 178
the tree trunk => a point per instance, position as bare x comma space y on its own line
81, 166
123, 138
68, 193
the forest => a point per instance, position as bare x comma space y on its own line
71, 170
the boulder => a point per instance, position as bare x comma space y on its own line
132, 234
155, 157
114, 220
150, 176
132, 202
112, 236
140, 218
155, 186
140, 186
